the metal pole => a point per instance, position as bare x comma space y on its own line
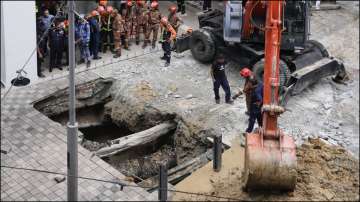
217, 151
163, 182
72, 126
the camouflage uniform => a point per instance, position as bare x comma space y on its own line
154, 25
131, 24
142, 18
118, 29
174, 21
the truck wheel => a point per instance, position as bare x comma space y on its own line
258, 70
202, 45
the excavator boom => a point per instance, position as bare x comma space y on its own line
270, 155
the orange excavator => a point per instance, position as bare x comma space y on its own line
270, 155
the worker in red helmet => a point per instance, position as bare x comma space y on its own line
174, 20
168, 36
130, 17
107, 36
248, 87
118, 29
142, 21
154, 17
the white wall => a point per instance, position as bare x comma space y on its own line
2, 46
18, 39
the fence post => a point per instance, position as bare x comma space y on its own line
163, 182
217, 152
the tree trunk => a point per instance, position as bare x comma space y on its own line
136, 139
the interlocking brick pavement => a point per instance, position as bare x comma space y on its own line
35, 141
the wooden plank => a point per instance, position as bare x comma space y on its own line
136, 139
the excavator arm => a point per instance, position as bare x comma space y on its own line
270, 155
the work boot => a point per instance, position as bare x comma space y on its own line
88, 63
230, 102
163, 58
104, 49
153, 45
126, 46
81, 61
167, 64
145, 44
137, 42
217, 101
41, 75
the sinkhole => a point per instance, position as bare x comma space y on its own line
134, 145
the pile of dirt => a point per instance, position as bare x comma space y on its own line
325, 172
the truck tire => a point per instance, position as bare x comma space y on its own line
202, 45
258, 70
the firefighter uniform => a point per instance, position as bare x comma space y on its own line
142, 19
168, 35
174, 21
131, 25
118, 29
154, 17
107, 36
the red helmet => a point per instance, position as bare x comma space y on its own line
109, 9
245, 72
129, 3
154, 4
164, 20
103, 2
172, 9
140, 2
94, 13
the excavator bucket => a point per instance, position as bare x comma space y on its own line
270, 163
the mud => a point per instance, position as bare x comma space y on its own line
325, 173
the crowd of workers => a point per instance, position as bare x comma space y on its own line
107, 28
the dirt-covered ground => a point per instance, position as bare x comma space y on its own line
325, 172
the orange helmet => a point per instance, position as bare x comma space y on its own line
164, 20
103, 2
94, 13
109, 9
172, 9
154, 4
245, 72
100, 9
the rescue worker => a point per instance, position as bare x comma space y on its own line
131, 23
46, 20
248, 87
154, 17
83, 39
255, 107
65, 25
219, 78
56, 44
142, 25
40, 54
107, 36
181, 7
94, 34
168, 36
174, 20
118, 28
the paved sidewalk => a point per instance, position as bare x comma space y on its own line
34, 141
